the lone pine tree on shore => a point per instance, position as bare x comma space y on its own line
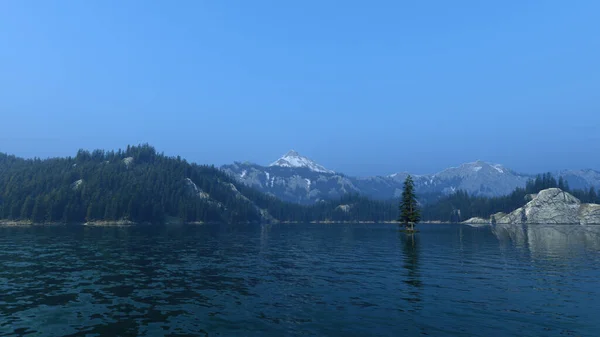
409, 209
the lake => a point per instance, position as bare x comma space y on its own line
292, 280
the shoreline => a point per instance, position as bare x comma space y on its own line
171, 222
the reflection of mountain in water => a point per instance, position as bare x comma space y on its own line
556, 240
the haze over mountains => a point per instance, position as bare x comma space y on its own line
296, 178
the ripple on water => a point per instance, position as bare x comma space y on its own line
343, 280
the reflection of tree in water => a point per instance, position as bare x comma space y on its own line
265, 229
410, 246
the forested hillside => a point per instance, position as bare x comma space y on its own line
447, 208
141, 185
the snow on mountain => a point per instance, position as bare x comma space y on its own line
293, 159
473, 169
298, 179
580, 179
294, 178
477, 178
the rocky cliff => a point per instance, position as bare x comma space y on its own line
552, 206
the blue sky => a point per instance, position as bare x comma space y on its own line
362, 87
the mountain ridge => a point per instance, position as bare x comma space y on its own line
301, 183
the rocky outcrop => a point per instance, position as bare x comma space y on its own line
476, 220
589, 214
108, 223
194, 190
76, 184
495, 216
552, 206
266, 217
128, 161
344, 208
530, 197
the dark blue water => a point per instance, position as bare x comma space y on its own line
291, 280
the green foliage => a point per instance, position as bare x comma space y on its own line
141, 185
409, 209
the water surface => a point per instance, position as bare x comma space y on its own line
292, 280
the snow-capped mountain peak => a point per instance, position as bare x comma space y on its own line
474, 168
293, 159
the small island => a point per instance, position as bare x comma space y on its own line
409, 208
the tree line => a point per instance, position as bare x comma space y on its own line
141, 185
461, 206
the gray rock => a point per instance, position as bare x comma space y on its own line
193, 190
589, 214
476, 220
77, 184
553, 206
344, 208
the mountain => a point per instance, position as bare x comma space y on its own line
296, 178
580, 179
293, 159
477, 178
293, 184
140, 185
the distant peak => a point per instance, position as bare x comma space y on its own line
293, 159
480, 162
474, 167
292, 153
477, 162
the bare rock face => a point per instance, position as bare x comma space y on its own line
589, 214
476, 220
553, 206
495, 216
77, 184
344, 208
194, 190
128, 161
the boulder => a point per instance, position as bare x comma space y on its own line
553, 206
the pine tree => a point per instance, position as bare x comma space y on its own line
90, 213
592, 196
561, 183
37, 214
27, 208
409, 209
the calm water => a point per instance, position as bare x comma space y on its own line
289, 280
